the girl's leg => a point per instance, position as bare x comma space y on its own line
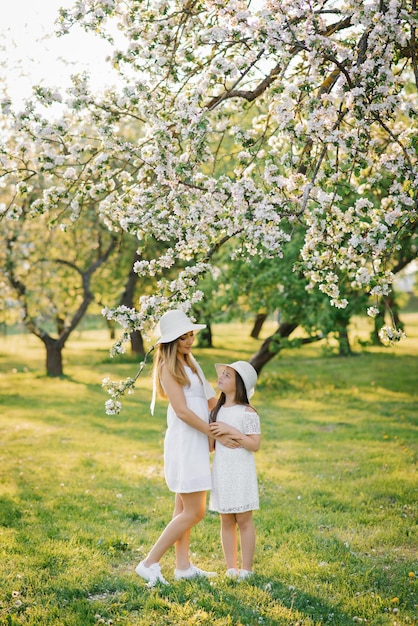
192, 511
246, 527
229, 539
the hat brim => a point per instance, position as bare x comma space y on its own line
169, 337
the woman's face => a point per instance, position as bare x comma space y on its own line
184, 344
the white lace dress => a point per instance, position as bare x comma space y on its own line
234, 478
186, 450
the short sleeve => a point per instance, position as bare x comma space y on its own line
251, 423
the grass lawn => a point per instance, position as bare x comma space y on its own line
82, 494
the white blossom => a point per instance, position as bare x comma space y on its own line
238, 123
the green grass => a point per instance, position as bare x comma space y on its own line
82, 494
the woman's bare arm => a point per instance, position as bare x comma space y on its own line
177, 400
249, 442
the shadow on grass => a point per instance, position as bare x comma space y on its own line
263, 601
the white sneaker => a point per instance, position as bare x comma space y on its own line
192, 572
245, 573
232, 573
151, 574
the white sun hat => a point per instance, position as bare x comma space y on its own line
174, 324
245, 370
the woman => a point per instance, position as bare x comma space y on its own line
178, 377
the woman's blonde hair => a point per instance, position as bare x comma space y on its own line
166, 354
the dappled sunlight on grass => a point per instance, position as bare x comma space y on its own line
83, 494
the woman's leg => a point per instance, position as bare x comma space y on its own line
246, 527
191, 511
182, 544
229, 539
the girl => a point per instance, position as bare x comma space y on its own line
234, 482
178, 377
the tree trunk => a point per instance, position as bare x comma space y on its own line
394, 307
137, 343
379, 321
54, 366
112, 328
60, 324
344, 348
204, 337
127, 299
260, 318
271, 346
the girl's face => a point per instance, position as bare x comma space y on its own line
226, 381
184, 344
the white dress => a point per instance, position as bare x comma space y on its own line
186, 450
234, 478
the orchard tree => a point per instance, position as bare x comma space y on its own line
47, 277
269, 285
253, 116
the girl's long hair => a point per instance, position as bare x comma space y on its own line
240, 397
166, 354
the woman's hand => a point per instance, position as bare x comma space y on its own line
223, 434
228, 441
219, 428
234, 437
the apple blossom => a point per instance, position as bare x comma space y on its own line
231, 122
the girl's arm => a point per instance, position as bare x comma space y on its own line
249, 442
212, 403
177, 400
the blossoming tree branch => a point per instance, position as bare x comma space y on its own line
236, 122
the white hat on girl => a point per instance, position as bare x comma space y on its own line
174, 324
245, 370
